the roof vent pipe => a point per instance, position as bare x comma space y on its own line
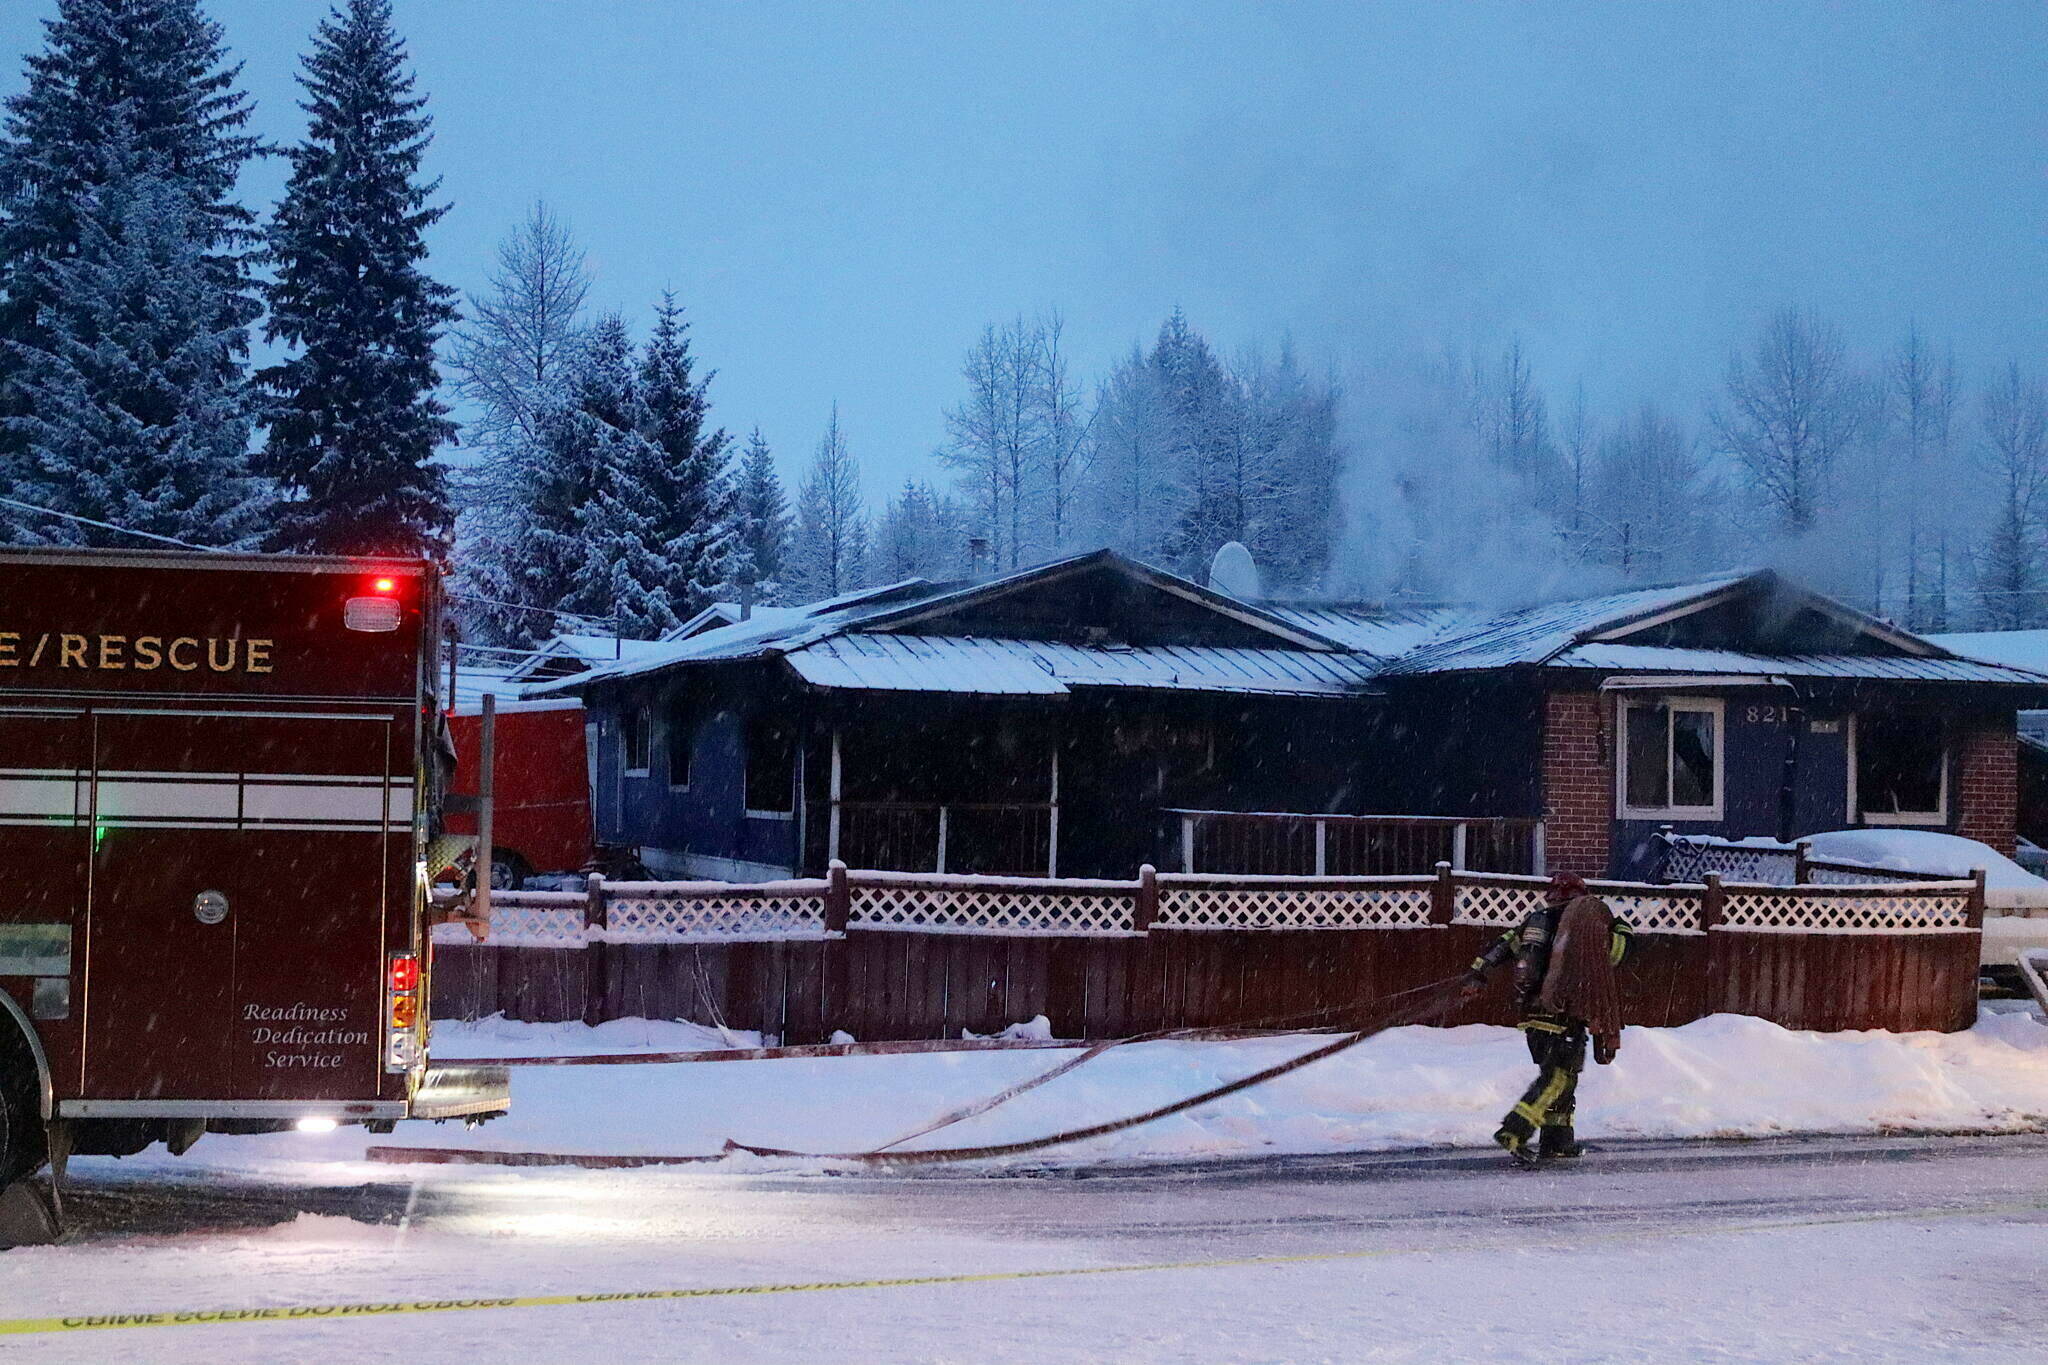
977, 556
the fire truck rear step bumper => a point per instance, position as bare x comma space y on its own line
445, 1092
454, 1092
341, 1110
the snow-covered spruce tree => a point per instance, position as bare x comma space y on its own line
761, 523
829, 550
588, 541
354, 423
1202, 415
133, 410
692, 510
1128, 489
122, 86
513, 360
923, 535
1292, 429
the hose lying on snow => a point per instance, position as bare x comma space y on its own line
1436, 996
1272, 1023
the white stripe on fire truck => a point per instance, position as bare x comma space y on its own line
305, 801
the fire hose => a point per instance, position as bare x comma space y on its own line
1428, 1000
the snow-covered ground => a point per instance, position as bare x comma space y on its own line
1729, 1075
1848, 1250
1890, 1248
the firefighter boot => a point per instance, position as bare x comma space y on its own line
1517, 1148
1558, 1142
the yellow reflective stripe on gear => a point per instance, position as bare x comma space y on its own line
1619, 940
1542, 1026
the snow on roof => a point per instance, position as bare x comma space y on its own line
1006, 667
1532, 635
860, 640
2026, 649
1903, 668
1386, 631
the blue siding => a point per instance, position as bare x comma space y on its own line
707, 818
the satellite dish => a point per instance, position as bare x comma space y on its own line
1233, 572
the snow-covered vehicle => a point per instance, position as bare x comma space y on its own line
2015, 900
219, 782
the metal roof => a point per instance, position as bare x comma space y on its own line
870, 641
2014, 648
1005, 667
1386, 631
1886, 667
1533, 634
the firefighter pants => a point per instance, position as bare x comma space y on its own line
1546, 1106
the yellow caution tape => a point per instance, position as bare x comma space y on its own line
216, 1317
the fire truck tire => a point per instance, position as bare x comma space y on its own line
24, 1144
509, 871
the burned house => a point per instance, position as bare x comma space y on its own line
1086, 716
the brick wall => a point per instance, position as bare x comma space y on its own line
1987, 782
1578, 784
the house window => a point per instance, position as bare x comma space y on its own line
679, 738
1899, 770
771, 767
636, 742
1671, 759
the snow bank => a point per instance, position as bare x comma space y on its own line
1728, 1075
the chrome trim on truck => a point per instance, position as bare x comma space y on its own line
343, 1110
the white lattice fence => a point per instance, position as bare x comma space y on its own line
534, 919
1819, 874
1648, 909
1651, 913
1292, 907
1687, 860
715, 918
1495, 903
1924, 907
995, 908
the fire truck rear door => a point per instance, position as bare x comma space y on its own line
236, 922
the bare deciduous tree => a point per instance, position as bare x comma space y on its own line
2014, 451
1791, 407
1921, 402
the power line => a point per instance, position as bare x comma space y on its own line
544, 611
110, 526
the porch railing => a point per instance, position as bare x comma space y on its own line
1690, 857
1286, 843
985, 839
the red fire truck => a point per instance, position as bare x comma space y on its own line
219, 776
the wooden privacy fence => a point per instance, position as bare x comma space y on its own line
887, 956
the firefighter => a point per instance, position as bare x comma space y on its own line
1564, 954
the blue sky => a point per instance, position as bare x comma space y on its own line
842, 194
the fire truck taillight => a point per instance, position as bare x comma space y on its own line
405, 972
375, 607
402, 1012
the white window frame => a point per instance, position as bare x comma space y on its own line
1715, 706
668, 748
646, 724
1909, 819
